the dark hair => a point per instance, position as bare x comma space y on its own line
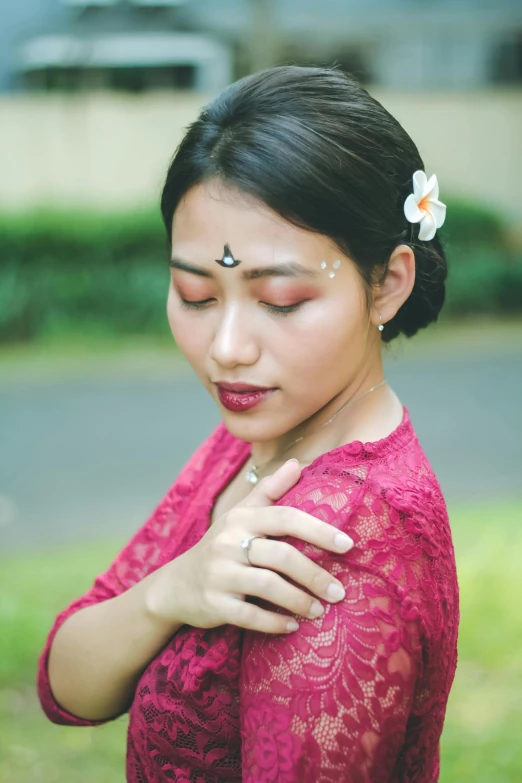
318, 150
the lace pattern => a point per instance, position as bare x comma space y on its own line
358, 694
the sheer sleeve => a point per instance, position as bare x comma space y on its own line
146, 552
331, 701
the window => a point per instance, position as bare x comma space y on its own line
101, 3
177, 77
506, 62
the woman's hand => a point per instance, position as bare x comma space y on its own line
207, 585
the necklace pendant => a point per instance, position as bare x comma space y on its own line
252, 476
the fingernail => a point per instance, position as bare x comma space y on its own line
335, 592
293, 460
316, 610
343, 542
292, 625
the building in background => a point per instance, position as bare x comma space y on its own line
132, 46
142, 45
95, 95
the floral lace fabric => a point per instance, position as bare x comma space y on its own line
356, 695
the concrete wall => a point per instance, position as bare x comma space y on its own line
111, 152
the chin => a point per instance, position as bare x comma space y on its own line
248, 428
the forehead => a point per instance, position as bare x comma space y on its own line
212, 215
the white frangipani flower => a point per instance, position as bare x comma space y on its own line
423, 205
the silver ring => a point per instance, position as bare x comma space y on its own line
246, 543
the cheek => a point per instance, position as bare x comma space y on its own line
173, 313
325, 342
191, 342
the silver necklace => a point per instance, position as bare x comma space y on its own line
253, 474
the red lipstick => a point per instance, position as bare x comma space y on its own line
240, 397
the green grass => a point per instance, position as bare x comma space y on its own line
481, 737
32, 591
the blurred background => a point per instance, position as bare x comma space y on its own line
98, 411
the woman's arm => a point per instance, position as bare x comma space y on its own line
99, 645
100, 652
102, 645
110, 625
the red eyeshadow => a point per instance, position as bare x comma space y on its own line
194, 290
283, 293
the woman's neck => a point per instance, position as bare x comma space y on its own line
371, 414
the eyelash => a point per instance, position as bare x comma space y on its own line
186, 305
283, 310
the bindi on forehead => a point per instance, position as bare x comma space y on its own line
228, 260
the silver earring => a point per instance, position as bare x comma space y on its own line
380, 327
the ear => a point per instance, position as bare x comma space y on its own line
392, 292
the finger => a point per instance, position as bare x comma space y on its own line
286, 559
288, 521
265, 584
252, 617
276, 485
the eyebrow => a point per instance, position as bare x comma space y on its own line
288, 269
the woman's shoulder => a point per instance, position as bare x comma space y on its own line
205, 460
394, 471
220, 446
386, 496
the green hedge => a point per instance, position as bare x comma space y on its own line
485, 272
108, 274
84, 273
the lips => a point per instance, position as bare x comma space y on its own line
241, 387
239, 397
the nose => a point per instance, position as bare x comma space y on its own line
234, 343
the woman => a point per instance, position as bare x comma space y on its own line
261, 644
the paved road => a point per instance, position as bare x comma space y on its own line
84, 459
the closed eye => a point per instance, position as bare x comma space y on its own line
188, 304
283, 309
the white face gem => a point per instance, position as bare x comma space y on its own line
336, 264
323, 264
228, 260
331, 274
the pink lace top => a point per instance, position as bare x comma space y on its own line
357, 695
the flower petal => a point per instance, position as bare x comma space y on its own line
419, 185
411, 210
428, 228
432, 188
438, 210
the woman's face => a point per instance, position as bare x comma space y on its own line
289, 318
